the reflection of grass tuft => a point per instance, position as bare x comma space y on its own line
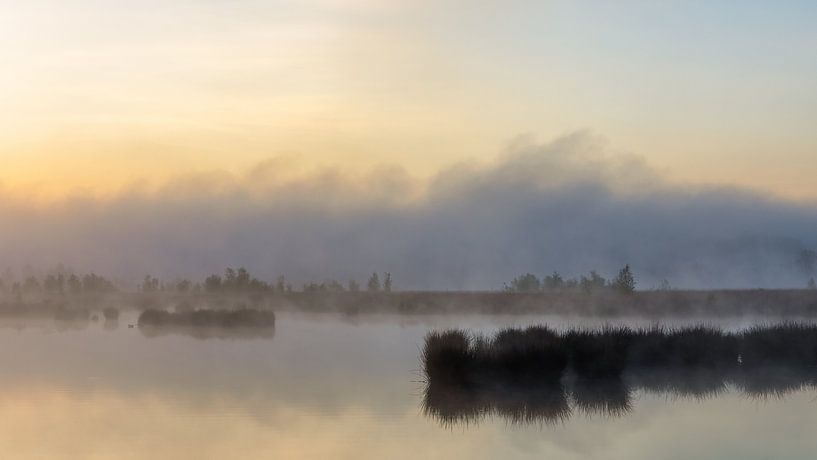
525, 374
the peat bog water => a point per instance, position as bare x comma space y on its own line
330, 386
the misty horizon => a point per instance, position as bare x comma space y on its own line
401, 229
568, 205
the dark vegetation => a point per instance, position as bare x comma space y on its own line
111, 314
606, 303
59, 283
208, 323
623, 283
590, 295
538, 375
208, 318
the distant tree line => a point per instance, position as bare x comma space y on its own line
60, 283
624, 282
240, 280
372, 285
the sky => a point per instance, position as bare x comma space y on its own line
453, 143
98, 95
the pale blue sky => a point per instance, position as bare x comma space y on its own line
707, 91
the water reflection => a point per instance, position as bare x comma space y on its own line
606, 396
451, 404
539, 375
203, 333
326, 388
552, 402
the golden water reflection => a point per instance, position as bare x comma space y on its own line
327, 389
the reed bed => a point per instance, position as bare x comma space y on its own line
538, 374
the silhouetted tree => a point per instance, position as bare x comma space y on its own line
280, 284
239, 280
592, 283
150, 284
353, 286
524, 283
183, 285
213, 283
553, 282
31, 284
374, 283
257, 285
74, 284
625, 281
54, 284
812, 284
229, 278
95, 283
387, 282
326, 286
242, 279
334, 286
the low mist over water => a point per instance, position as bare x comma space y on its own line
329, 386
401, 229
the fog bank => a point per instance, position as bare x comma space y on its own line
568, 205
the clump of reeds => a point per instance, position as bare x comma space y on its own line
777, 359
515, 374
245, 318
786, 344
697, 346
110, 313
607, 396
512, 356
523, 355
525, 374
598, 353
449, 357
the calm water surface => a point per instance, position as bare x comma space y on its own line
331, 387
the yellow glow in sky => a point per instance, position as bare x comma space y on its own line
95, 94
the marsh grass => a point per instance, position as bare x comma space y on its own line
606, 396
536, 374
598, 353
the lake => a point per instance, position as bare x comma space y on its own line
330, 386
